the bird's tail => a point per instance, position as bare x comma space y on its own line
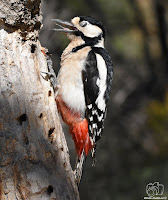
79, 166
93, 154
80, 163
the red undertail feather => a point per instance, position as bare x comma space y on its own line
78, 127
79, 131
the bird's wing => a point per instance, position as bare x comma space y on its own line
95, 110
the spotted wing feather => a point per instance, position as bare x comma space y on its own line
94, 115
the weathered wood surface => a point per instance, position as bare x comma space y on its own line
34, 159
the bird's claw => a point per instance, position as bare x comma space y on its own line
47, 75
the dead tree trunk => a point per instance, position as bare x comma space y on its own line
34, 159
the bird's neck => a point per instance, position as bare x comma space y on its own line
78, 43
74, 42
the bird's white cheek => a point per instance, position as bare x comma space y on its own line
91, 31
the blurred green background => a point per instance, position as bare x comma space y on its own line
134, 148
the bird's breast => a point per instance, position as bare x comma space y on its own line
70, 84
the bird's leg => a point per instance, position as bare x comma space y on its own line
47, 75
50, 75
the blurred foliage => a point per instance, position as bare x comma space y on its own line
134, 50
158, 122
133, 150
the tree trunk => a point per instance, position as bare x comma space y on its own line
34, 159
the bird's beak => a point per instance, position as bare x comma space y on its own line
66, 27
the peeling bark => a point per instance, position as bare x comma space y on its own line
34, 158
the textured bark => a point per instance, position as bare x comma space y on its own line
34, 159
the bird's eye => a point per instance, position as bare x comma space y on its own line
83, 23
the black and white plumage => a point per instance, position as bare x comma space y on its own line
97, 79
85, 77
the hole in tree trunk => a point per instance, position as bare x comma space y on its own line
50, 189
22, 118
33, 48
41, 115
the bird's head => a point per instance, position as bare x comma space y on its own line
89, 29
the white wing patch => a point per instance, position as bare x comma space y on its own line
89, 106
91, 118
101, 82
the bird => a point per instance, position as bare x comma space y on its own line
83, 84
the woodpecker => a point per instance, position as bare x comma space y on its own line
83, 83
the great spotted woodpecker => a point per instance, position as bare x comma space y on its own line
83, 83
